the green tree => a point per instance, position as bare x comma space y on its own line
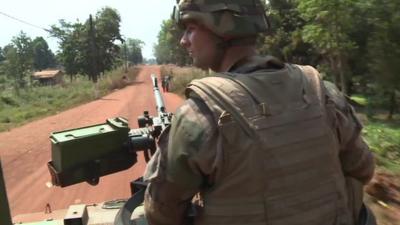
107, 33
384, 47
285, 40
358, 34
70, 37
89, 48
2, 66
43, 57
133, 51
92, 60
10, 55
19, 56
168, 49
2, 57
327, 30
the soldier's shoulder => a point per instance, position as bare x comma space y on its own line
191, 128
194, 114
193, 105
333, 92
214, 78
308, 70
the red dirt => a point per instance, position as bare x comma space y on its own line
25, 150
383, 197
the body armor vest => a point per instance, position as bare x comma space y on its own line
280, 156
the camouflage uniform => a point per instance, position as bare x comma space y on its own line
255, 152
189, 161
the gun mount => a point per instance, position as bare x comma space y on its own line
105, 148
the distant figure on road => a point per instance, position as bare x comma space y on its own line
47, 210
165, 83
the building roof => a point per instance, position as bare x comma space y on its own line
46, 73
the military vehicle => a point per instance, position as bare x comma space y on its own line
103, 149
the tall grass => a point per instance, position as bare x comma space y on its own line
36, 102
383, 138
181, 77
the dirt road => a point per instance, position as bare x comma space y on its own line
26, 150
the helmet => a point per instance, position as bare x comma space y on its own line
227, 19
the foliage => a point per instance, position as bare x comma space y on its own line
19, 57
328, 30
284, 40
107, 24
89, 48
132, 51
2, 57
43, 57
168, 49
41, 101
384, 139
384, 47
70, 44
357, 56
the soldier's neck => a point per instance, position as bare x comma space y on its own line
233, 55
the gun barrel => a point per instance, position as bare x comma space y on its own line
160, 106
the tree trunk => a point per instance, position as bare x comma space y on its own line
93, 72
333, 70
392, 104
342, 75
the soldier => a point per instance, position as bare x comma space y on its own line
167, 79
163, 83
262, 142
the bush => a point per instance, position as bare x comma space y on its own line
39, 101
9, 100
383, 138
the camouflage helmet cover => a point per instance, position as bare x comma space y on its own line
228, 19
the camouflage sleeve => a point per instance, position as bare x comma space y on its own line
181, 165
356, 158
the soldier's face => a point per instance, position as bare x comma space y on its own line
201, 45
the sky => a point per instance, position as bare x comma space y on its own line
140, 19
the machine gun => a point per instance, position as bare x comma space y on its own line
105, 148
88, 153
108, 148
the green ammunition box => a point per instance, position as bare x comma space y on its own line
72, 148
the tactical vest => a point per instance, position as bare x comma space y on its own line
280, 157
